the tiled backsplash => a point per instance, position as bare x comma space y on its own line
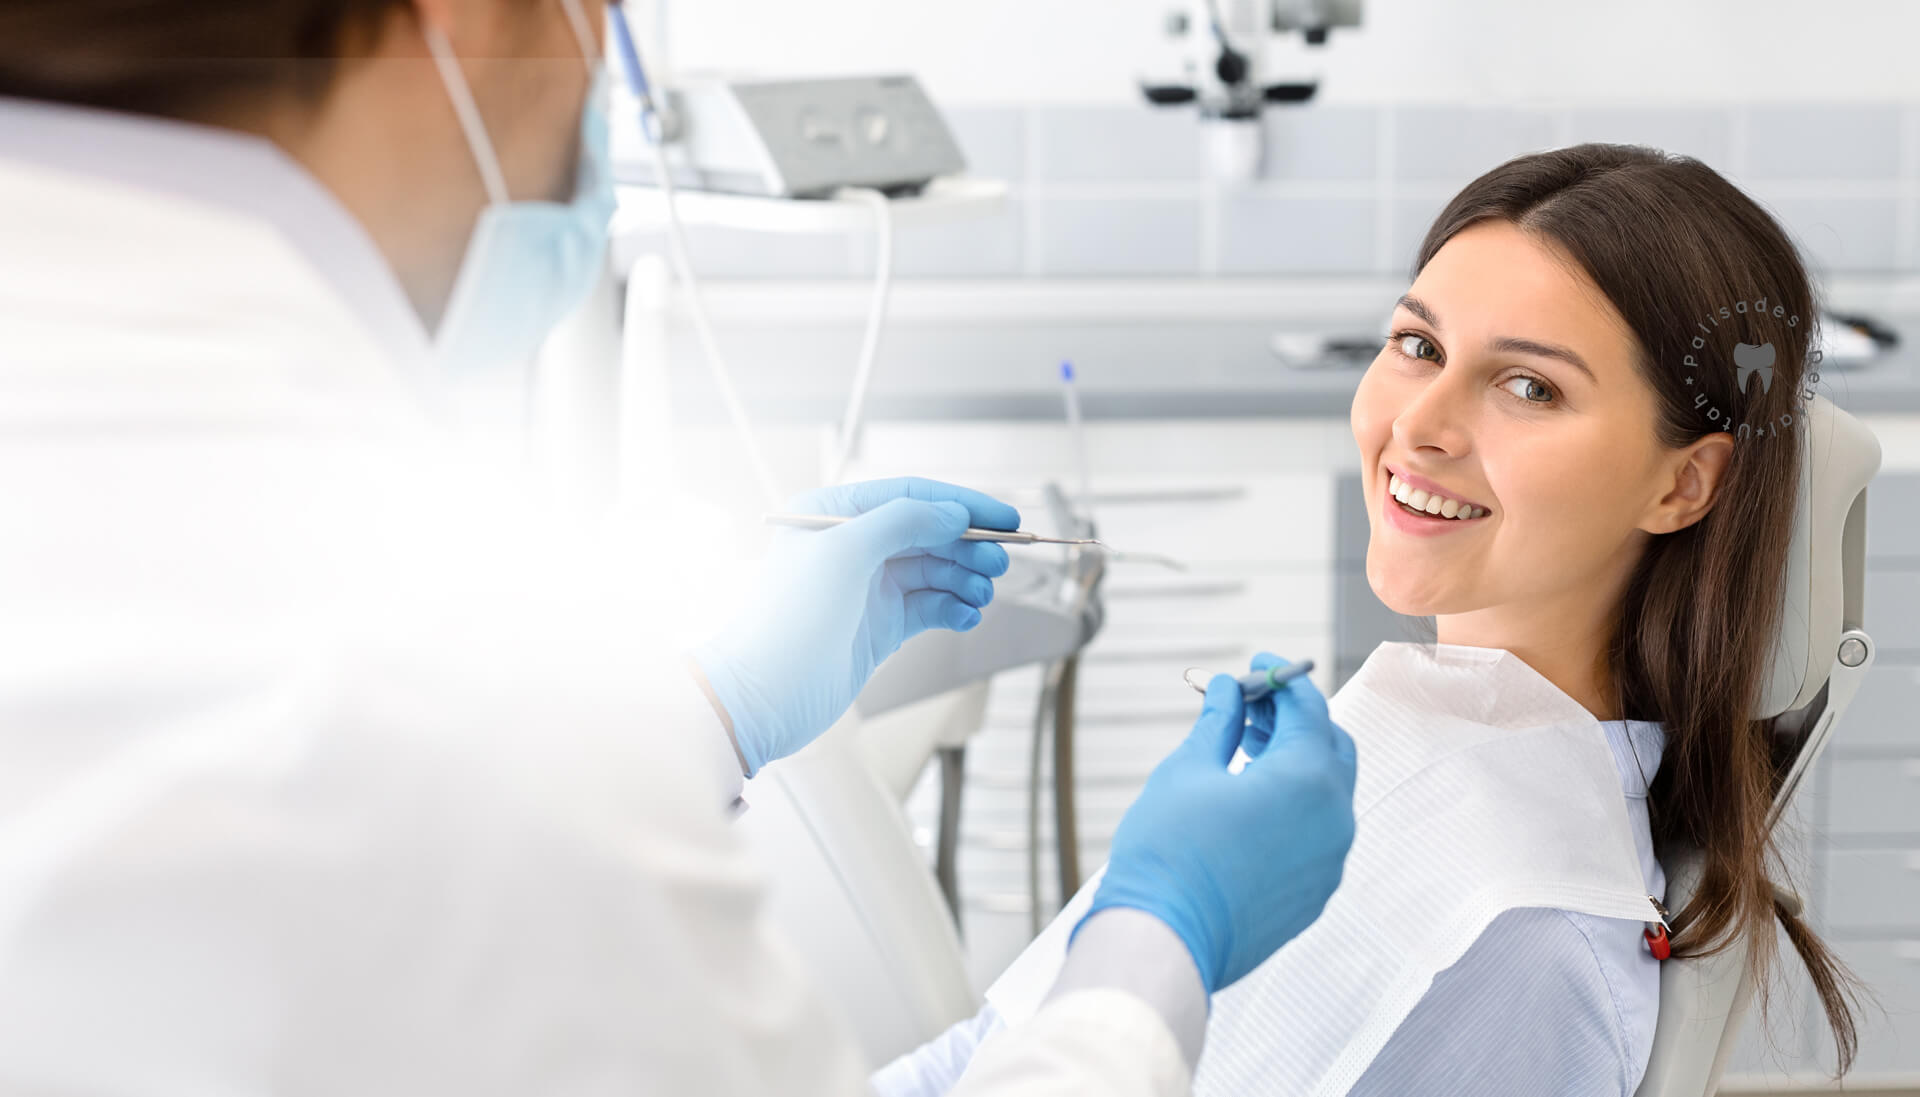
1120, 191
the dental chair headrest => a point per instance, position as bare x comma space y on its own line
1704, 999
1826, 560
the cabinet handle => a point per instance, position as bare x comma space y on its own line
1912, 768
1191, 590
997, 902
1171, 495
1913, 861
1122, 497
1907, 950
1189, 656
1172, 718
1004, 780
1014, 839
1002, 839
1091, 721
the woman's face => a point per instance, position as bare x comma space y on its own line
1509, 383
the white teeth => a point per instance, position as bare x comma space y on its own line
1432, 504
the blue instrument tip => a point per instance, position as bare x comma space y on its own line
1066, 371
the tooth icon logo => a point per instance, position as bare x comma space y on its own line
1751, 358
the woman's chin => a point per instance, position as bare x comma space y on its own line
1413, 597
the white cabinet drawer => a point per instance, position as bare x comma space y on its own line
1886, 711
1893, 517
995, 878
1123, 696
1873, 891
996, 815
1119, 656
1273, 521
1874, 796
1300, 599
1893, 611
1102, 754
1198, 508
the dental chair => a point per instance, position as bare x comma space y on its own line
1821, 657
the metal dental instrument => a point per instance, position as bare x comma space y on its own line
1259, 684
998, 536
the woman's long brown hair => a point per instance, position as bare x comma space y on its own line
1671, 244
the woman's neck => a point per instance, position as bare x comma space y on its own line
1572, 658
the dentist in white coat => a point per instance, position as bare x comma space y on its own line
327, 764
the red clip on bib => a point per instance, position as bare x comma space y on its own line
1657, 940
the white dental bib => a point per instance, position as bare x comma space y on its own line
1481, 787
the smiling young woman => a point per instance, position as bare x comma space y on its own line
1547, 363
1553, 466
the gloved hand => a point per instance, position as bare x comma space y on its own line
832, 604
1262, 714
1239, 864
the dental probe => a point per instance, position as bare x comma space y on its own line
998, 536
1259, 684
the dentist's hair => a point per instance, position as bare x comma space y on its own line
1670, 243
188, 59
181, 59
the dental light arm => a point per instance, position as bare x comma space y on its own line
1225, 46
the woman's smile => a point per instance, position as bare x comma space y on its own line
1414, 510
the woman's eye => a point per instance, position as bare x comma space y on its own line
1546, 393
1417, 346
1413, 345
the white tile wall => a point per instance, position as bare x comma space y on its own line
1119, 190
1133, 236
1277, 234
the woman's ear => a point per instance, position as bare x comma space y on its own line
1698, 471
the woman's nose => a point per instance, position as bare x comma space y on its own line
1434, 414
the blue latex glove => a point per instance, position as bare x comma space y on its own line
1239, 864
1262, 713
832, 604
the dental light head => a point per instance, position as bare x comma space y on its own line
1230, 71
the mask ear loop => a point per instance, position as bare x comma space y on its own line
582, 32
469, 114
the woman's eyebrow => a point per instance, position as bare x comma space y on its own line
1509, 343
1544, 350
1419, 308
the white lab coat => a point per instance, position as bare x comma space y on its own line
321, 772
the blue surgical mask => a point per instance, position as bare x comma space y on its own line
528, 263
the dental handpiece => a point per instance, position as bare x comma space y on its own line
999, 536
1257, 685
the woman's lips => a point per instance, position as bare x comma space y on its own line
1419, 525
1431, 488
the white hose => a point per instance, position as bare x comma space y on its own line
703, 331
876, 319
